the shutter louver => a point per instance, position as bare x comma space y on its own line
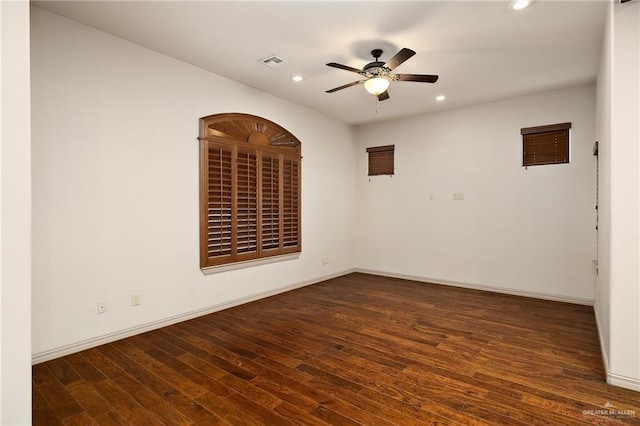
247, 202
290, 194
219, 202
381, 160
545, 144
270, 203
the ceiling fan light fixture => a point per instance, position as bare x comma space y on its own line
377, 75
376, 85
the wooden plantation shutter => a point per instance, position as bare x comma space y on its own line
381, 160
250, 194
545, 144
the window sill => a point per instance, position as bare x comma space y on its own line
210, 270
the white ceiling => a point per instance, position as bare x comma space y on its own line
482, 50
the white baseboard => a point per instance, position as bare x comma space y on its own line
612, 378
473, 286
605, 355
142, 328
39, 357
623, 381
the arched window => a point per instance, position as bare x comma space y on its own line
250, 190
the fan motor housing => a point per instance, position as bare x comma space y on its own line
375, 69
373, 65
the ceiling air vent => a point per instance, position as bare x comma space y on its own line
273, 61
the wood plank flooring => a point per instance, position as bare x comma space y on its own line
355, 350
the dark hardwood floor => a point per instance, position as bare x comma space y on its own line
359, 349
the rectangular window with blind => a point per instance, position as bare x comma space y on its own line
249, 192
381, 160
545, 144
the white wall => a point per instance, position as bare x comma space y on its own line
624, 257
517, 230
115, 188
15, 216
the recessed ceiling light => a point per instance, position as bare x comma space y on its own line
440, 98
520, 4
297, 78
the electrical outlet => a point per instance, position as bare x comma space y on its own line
324, 261
135, 299
458, 196
102, 307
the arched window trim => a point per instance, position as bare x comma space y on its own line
250, 191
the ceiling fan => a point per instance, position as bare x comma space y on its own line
378, 74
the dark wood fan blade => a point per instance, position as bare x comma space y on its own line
422, 78
383, 96
345, 86
344, 67
399, 58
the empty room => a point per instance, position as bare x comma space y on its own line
320, 212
